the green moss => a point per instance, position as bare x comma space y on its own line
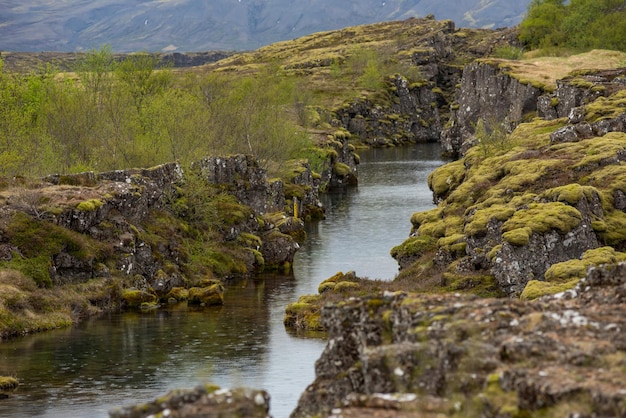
518, 236
345, 286
477, 284
8, 384
612, 229
594, 151
606, 107
178, 294
341, 169
570, 193
446, 178
576, 269
90, 205
536, 288
419, 218
543, 217
479, 220
207, 296
326, 287
414, 246
134, 298
303, 314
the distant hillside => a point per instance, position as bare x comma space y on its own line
197, 25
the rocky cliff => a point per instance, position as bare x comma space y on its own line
135, 238
532, 209
399, 354
526, 200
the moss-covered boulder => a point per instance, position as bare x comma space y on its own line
135, 298
207, 296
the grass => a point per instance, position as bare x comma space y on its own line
545, 71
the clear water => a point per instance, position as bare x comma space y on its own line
129, 358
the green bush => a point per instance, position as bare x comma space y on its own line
579, 24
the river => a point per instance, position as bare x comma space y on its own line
120, 359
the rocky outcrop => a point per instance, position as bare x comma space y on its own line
411, 115
456, 355
243, 177
577, 90
489, 94
143, 227
202, 401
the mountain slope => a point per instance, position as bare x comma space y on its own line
196, 25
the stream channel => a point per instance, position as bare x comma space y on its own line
122, 359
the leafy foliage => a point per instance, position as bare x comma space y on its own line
119, 114
577, 24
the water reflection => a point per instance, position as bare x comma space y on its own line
135, 357
366, 222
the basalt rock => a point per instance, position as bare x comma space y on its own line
577, 90
245, 179
462, 356
411, 116
489, 94
202, 401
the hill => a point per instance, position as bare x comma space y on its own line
194, 25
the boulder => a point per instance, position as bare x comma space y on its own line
202, 401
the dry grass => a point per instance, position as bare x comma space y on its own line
545, 71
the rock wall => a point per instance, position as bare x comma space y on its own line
461, 356
134, 224
486, 92
410, 116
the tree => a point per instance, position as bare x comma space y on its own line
139, 76
541, 27
579, 24
96, 70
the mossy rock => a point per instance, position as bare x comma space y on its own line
134, 298
346, 286
414, 246
518, 236
543, 217
178, 294
207, 296
443, 180
332, 281
304, 314
8, 384
90, 205
570, 193
341, 170
326, 286
577, 269
477, 226
535, 288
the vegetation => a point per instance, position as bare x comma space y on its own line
576, 24
114, 115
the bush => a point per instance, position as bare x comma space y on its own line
579, 24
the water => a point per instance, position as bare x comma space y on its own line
128, 358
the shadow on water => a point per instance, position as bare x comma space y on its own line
128, 358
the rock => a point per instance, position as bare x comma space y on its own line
412, 117
486, 93
425, 355
203, 401
246, 180
207, 296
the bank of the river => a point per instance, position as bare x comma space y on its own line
135, 357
